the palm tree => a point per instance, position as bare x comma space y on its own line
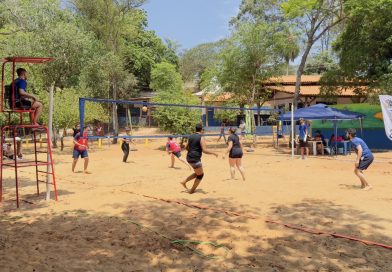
292, 50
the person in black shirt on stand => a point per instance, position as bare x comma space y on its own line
196, 147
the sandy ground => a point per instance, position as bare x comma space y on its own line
103, 223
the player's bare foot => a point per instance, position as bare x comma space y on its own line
183, 183
87, 172
367, 188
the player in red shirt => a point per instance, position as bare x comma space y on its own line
80, 149
173, 149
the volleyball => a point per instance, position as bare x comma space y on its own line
144, 109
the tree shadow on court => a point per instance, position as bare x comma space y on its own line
308, 252
28, 198
80, 240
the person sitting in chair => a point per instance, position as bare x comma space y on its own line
24, 100
8, 151
320, 137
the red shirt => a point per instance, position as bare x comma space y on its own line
81, 140
173, 146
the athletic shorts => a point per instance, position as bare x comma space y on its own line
23, 104
177, 154
82, 153
303, 143
236, 155
196, 165
364, 163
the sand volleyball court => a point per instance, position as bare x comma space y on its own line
135, 216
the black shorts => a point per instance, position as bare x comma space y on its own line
303, 143
196, 165
23, 104
364, 163
236, 154
177, 154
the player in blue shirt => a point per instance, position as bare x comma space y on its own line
364, 157
303, 138
22, 98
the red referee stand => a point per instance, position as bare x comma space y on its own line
7, 106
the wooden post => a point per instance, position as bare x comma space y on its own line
50, 132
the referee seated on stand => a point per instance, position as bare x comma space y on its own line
24, 100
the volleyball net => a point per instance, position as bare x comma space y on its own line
136, 119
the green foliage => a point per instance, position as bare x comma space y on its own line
177, 120
168, 84
321, 63
101, 49
298, 8
209, 79
43, 29
143, 53
227, 115
194, 62
101, 70
165, 78
259, 11
66, 108
252, 56
365, 45
133, 50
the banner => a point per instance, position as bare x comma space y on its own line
386, 106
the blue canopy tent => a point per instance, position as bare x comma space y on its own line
322, 112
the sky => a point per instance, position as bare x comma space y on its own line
191, 22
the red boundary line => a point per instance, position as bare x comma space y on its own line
290, 226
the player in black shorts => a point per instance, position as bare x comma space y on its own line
222, 133
235, 153
196, 146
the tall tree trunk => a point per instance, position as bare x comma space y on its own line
54, 140
287, 68
300, 71
253, 129
62, 138
258, 113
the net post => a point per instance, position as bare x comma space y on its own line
82, 103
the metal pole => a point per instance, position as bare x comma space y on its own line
336, 136
292, 131
50, 129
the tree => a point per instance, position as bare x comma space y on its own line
112, 22
315, 18
143, 52
195, 61
364, 48
252, 56
291, 50
164, 77
42, 28
321, 63
166, 81
227, 115
259, 11
66, 110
